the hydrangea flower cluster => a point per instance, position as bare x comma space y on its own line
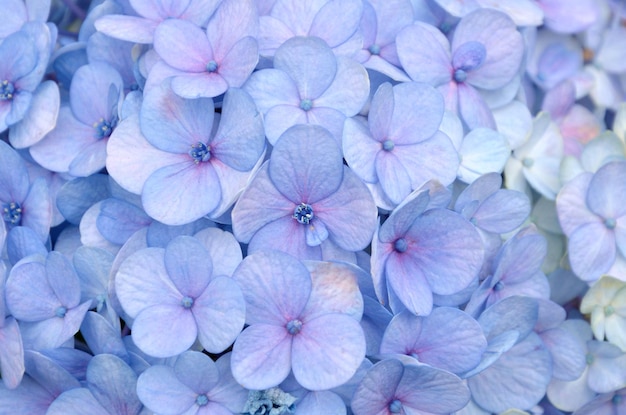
312, 207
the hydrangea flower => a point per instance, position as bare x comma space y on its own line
304, 201
301, 320
485, 54
400, 147
308, 85
590, 212
174, 299
605, 303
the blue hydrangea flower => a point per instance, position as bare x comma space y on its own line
393, 387
485, 54
186, 161
193, 384
304, 201
298, 323
401, 148
308, 85
181, 301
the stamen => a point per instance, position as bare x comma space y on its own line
528, 162
202, 400
12, 213
395, 407
610, 223
303, 213
374, 49
60, 311
211, 66
294, 326
7, 90
460, 75
104, 128
200, 152
306, 104
388, 145
187, 302
499, 285
400, 245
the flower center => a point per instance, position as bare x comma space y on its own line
400, 245
200, 152
294, 326
617, 399
12, 213
374, 49
187, 302
202, 400
460, 75
395, 407
104, 128
610, 223
528, 162
60, 311
388, 145
306, 104
7, 90
211, 66
303, 213
609, 310
499, 285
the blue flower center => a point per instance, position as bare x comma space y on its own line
200, 152
306, 104
609, 310
60, 311
187, 302
388, 145
294, 326
499, 285
395, 407
460, 75
374, 49
303, 213
528, 162
610, 223
104, 128
202, 400
211, 66
400, 245
617, 399
12, 213
7, 90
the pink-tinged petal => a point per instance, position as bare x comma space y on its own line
14, 181
417, 113
131, 159
29, 297
306, 164
151, 386
560, 99
591, 250
272, 33
606, 196
327, 351
349, 90
239, 62
503, 43
521, 257
432, 159
378, 388
565, 17
336, 21
393, 176
199, 85
181, 193
63, 279
59, 147
401, 219
299, 15
129, 28
503, 211
135, 292
261, 356
223, 245
40, 119
425, 54
173, 124
360, 149
292, 240
159, 10
381, 112
265, 279
259, 205
568, 354
220, 314
473, 109
272, 87
349, 214
280, 118
233, 21
409, 284
164, 330
188, 265
91, 160
96, 80
182, 45
335, 289
228, 392
329, 118
309, 62
37, 209
571, 204
11, 353
457, 252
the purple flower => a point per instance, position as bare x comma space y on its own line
304, 201
300, 319
174, 299
308, 85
